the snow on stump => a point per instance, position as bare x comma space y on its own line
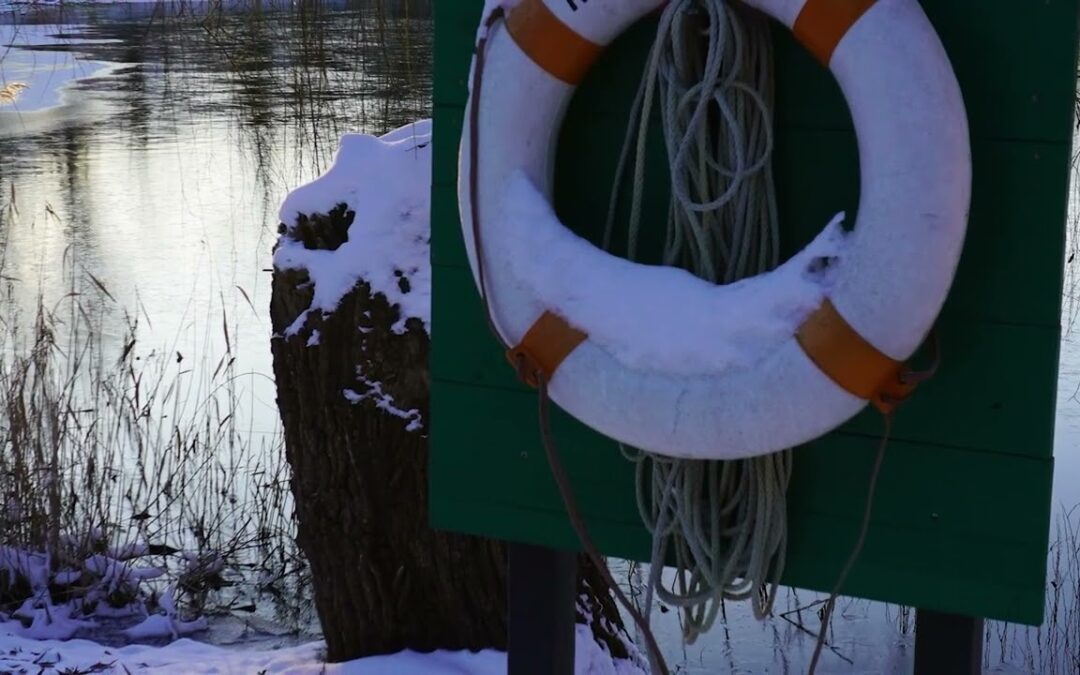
350, 308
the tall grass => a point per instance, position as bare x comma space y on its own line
138, 455
1054, 647
312, 71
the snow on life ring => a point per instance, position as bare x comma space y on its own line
847, 346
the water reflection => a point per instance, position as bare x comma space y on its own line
142, 168
160, 139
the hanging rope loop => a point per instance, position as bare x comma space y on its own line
722, 525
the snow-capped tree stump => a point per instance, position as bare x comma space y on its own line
351, 309
353, 397
383, 581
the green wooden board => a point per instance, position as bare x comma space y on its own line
962, 515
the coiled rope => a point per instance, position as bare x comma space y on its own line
723, 525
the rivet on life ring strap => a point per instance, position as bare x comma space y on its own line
823, 23
850, 361
545, 346
550, 43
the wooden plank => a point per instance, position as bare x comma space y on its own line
510, 419
448, 124
455, 36
603, 478
974, 400
948, 523
451, 510
1007, 97
1012, 98
994, 599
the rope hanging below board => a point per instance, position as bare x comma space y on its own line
722, 525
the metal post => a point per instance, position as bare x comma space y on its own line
542, 595
947, 644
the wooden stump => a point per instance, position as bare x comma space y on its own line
383, 581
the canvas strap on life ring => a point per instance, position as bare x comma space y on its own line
849, 360
837, 349
543, 349
550, 43
823, 23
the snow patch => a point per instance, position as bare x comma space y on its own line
185, 656
204, 564
628, 308
66, 577
32, 567
384, 402
386, 181
590, 657
164, 626
40, 620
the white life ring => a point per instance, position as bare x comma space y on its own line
888, 289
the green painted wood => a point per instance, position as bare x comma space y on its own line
961, 521
1009, 96
923, 541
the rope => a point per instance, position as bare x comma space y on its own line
717, 121
656, 658
908, 376
722, 525
864, 529
558, 471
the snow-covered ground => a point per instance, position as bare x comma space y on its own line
185, 656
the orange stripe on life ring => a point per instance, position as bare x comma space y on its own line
850, 361
822, 24
550, 43
543, 349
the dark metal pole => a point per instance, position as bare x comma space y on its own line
947, 644
542, 596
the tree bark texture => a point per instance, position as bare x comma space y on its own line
383, 581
